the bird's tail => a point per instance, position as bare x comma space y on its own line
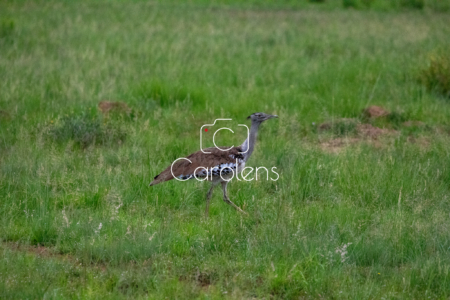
164, 176
155, 181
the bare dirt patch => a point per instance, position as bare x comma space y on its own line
202, 279
340, 127
49, 253
342, 122
38, 250
372, 132
113, 106
364, 133
336, 145
422, 142
4, 114
373, 112
125, 287
413, 124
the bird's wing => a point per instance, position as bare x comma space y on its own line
197, 162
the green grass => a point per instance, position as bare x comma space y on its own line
370, 221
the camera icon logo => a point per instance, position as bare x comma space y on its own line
205, 129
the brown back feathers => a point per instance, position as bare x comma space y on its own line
196, 163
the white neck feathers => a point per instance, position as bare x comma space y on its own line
249, 144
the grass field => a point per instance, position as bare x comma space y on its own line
349, 217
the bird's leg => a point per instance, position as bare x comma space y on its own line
227, 200
208, 198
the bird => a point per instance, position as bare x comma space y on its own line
216, 164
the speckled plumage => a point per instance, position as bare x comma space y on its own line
215, 162
218, 165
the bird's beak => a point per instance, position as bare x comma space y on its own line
272, 116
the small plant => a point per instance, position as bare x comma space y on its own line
357, 3
417, 4
6, 28
436, 77
397, 118
344, 127
86, 130
340, 127
350, 3
367, 3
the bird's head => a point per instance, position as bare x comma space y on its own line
260, 117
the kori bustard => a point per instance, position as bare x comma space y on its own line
216, 165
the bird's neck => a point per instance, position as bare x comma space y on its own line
249, 145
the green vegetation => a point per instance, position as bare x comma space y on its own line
380, 5
85, 130
436, 77
349, 217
